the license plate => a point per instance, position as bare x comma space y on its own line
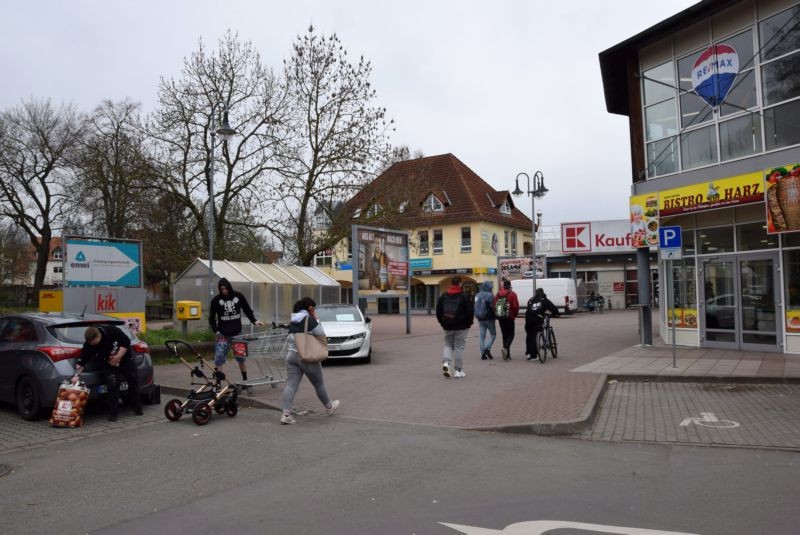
334, 348
102, 389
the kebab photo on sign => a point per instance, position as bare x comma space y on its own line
783, 199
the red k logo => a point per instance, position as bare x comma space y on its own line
576, 237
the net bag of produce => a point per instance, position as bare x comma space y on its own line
70, 403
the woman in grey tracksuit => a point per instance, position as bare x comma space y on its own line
295, 368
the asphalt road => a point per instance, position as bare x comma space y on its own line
335, 475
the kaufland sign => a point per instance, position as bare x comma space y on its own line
596, 237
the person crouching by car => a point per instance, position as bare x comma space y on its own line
225, 320
538, 306
110, 346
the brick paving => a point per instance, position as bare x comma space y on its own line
768, 415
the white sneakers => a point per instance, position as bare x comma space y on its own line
333, 407
458, 374
287, 419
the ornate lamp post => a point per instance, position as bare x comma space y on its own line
225, 133
537, 192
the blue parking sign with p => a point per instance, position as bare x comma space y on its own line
669, 237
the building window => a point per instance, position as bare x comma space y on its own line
782, 125
58, 254
423, 242
505, 208
513, 243
58, 269
432, 204
466, 240
715, 240
740, 137
698, 148
662, 157
324, 258
505, 242
374, 210
438, 244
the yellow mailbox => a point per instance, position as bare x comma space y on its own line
189, 310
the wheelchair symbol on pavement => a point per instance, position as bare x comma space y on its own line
708, 419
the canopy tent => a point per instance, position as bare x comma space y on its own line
271, 289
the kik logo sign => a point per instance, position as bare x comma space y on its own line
576, 237
106, 301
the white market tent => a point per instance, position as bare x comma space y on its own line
271, 289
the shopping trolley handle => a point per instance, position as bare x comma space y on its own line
172, 346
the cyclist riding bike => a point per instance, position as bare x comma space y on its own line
538, 307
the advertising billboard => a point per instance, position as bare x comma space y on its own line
382, 259
102, 262
783, 199
520, 267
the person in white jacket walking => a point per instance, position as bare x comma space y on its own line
295, 368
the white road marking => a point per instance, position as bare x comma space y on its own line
709, 419
539, 527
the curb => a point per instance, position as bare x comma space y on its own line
704, 379
565, 428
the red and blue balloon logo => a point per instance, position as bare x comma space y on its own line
714, 72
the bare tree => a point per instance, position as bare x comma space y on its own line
14, 257
35, 141
232, 79
113, 169
339, 138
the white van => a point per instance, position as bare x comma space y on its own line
560, 291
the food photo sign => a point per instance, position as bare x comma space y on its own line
782, 198
644, 220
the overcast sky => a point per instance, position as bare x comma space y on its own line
506, 86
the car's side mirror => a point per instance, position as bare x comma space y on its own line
368, 319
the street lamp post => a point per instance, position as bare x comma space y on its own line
225, 133
537, 192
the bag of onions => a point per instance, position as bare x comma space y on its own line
70, 403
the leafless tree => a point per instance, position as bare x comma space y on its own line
339, 136
14, 257
232, 78
113, 169
35, 141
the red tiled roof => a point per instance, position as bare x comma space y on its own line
466, 196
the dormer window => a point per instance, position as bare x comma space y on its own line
357, 213
403, 206
58, 254
374, 210
505, 208
320, 222
432, 204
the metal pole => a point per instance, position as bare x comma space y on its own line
533, 229
211, 206
671, 312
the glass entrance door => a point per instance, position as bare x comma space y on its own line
740, 302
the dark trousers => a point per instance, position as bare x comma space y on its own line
532, 328
507, 330
114, 376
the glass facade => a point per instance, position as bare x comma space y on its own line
761, 112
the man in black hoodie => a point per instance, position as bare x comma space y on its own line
225, 319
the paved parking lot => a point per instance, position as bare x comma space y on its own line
16, 433
754, 415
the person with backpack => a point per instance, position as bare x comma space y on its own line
484, 313
538, 306
506, 308
454, 311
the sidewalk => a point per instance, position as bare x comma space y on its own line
404, 383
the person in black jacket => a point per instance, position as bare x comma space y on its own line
455, 312
109, 345
225, 319
538, 306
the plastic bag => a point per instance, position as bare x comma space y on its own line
70, 404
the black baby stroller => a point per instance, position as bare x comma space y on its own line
211, 394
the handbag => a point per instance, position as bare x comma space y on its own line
310, 347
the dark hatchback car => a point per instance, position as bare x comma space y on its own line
38, 351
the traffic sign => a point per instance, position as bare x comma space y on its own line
670, 253
669, 237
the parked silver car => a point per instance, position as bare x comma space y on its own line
38, 352
349, 332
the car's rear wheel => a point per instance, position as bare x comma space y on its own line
29, 402
172, 410
201, 414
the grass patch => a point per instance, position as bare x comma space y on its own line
156, 338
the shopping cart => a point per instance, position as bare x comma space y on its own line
268, 351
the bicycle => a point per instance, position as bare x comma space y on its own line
546, 340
